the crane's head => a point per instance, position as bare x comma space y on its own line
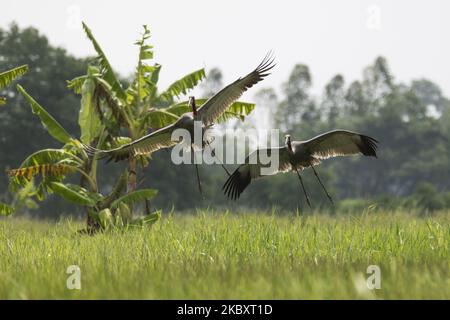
287, 141
192, 105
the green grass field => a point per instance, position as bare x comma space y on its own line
231, 256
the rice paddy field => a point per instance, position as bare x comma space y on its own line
221, 255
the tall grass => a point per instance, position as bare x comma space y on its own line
211, 255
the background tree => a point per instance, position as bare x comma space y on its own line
213, 82
355, 102
267, 101
297, 104
334, 99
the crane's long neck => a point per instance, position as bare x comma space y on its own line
289, 144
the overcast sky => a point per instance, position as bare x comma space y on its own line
329, 36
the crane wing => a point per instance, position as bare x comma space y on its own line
215, 106
148, 144
341, 143
252, 169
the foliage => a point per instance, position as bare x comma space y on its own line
122, 219
75, 193
237, 110
49, 123
8, 76
106, 69
5, 210
89, 120
182, 86
135, 196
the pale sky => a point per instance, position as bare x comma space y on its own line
329, 36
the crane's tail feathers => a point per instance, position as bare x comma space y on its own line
236, 184
368, 146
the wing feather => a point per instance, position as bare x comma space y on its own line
252, 169
146, 145
341, 143
214, 107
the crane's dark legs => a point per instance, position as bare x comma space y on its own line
196, 171
303, 187
214, 155
328, 195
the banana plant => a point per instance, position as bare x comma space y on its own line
9, 76
6, 78
46, 171
141, 106
106, 111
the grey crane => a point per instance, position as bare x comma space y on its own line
208, 113
299, 155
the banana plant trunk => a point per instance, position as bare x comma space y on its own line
91, 225
132, 177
